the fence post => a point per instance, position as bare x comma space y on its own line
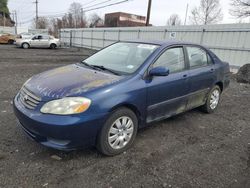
103, 38
165, 33
138, 34
202, 35
118, 34
70, 38
91, 39
82, 39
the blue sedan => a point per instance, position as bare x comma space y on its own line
103, 100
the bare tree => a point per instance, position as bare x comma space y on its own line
241, 8
95, 20
42, 23
78, 16
174, 19
208, 12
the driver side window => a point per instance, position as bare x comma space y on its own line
173, 59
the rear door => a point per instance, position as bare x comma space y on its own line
44, 41
201, 75
167, 95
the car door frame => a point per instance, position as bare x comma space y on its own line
185, 72
199, 94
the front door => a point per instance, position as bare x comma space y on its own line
40, 41
167, 95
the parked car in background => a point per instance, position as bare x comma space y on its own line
7, 38
106, 98
38, 41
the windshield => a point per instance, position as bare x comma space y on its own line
122, 57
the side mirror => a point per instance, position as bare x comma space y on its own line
159, 71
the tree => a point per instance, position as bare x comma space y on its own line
42, 23
5, 14
241, 8
208, 12
78, 16
4, 7
174, 19
95, 20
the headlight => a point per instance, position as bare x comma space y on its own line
66, 106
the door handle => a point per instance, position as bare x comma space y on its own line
212, 70
185, 76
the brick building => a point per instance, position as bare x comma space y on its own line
121, 19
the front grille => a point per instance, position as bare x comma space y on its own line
28, 99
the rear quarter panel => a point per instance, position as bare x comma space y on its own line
222, 71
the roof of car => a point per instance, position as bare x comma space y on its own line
160, 42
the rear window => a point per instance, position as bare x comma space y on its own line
197, 57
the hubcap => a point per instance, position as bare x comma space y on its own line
120, 132
214, 99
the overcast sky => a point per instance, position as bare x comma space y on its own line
161, 9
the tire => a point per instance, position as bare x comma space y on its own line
213, 100
10, 41
113, 140
53, 46
25, 45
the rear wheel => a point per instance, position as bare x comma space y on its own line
213, 100
118, 133
25, 45
53, 46
10, 41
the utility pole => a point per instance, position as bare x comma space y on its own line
15, 22
148, 13
36, 2
186, 15
4, 19
82, 17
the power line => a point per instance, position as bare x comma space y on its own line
120, 2
83, 7
90, 2
88, 10
24, 5
97, 4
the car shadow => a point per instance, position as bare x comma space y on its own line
93, 152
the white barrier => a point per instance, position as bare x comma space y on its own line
231, 42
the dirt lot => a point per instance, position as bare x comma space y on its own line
190, 150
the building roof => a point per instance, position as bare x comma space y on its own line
125, 13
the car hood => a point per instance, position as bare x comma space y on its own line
69, 80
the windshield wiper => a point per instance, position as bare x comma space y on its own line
88, 65
105, 69
99, 67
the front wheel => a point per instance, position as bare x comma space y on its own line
53, 46
213, 100
118, 133
25, 45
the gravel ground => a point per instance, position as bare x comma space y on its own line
190, 150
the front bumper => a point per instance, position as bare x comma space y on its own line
59, 132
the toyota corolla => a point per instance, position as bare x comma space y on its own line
103, 100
